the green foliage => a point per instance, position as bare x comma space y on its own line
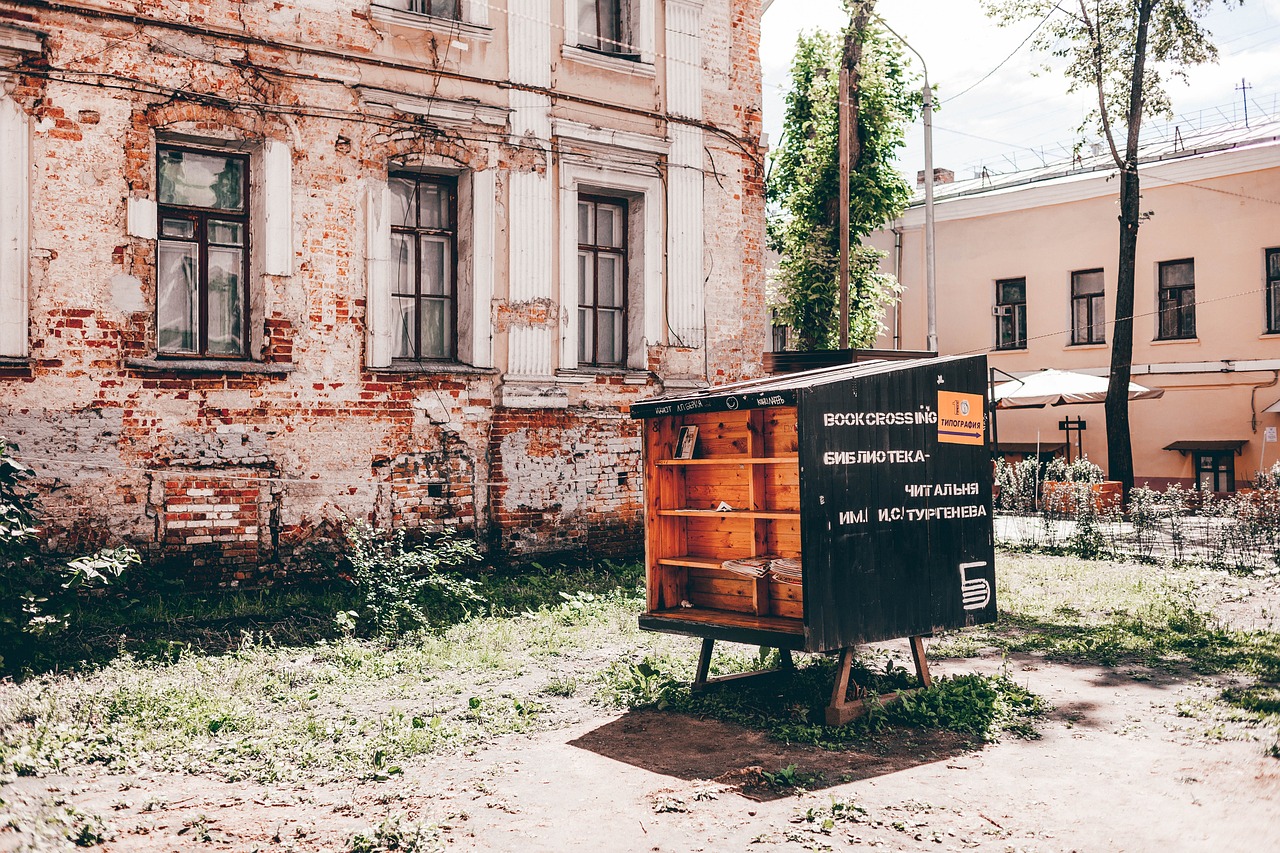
1097, 41
803, 188
393, 834
37, 597
401, 584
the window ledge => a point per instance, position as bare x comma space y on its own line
420, 21
585, 375
1102, 345
1011, 350
209, 365
628, 64
1161, 342
427, 367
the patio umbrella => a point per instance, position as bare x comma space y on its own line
1060, 387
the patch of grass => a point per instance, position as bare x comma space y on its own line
791, 707
345, 708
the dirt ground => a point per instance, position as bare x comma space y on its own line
1119, 767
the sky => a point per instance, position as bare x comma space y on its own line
1022, 115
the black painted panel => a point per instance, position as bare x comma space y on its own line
895, 513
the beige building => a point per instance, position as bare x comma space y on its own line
1026, 271
264, 266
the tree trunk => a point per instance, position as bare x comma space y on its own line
1119, 441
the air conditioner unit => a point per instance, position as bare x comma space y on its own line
1001, 310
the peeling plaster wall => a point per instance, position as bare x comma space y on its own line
232, 476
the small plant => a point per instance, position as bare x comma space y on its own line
1019, 485
395, 834
400, 584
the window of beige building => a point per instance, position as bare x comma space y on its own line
448, 9
1215, 470
1177, 300
1088, 316
1273, 291
1011, 313
606, 26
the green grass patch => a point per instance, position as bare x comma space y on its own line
791, 707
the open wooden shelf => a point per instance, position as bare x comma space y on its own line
734, 460
777, 514
750, 460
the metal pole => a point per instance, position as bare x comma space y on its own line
843, 120
930, 266
931, 284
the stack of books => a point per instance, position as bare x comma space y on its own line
785, 570
749, 567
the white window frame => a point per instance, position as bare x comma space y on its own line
474, 285
645, 198
271, 222
639, 20
473, 24
15, 227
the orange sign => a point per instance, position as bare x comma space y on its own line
960, 418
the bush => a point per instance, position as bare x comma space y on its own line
401, 584
37, 596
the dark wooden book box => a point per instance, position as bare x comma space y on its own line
877, 476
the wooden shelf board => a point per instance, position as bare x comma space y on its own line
773, 631
733, 460
780, 514
691, 562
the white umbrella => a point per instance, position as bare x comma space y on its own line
1060, 387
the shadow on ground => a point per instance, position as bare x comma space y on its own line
691, 748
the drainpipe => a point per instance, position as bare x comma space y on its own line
1253, 397
897, 275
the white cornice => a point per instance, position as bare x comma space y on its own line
419, 21
17, 45
604, 139
440, 110
598, 59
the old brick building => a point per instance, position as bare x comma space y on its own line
264, 264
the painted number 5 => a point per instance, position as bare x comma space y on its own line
974, 592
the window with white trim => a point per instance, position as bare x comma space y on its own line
429, 276
14, 223
1011, 313
619, 28
202, 254
424, 267
1088, 315
1272, 272
1177, 300
602, 281
448, 9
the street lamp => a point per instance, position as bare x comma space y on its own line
930, 267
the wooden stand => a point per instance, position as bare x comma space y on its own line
842, 709
701, 681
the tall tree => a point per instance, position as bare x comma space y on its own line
803, 188
1122, 50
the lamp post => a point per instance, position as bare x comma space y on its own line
930, 266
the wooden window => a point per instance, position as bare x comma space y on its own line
1273, 291
1177, 300
1088, 316
601, 25
202, 255
1215, 470
424, 267
1011, 313
602, 281
449, 9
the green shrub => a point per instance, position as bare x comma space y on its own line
400, 584
37, 596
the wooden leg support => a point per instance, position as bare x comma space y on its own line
702, 679
843, 710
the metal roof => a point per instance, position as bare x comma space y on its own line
1174, 146
774, 390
